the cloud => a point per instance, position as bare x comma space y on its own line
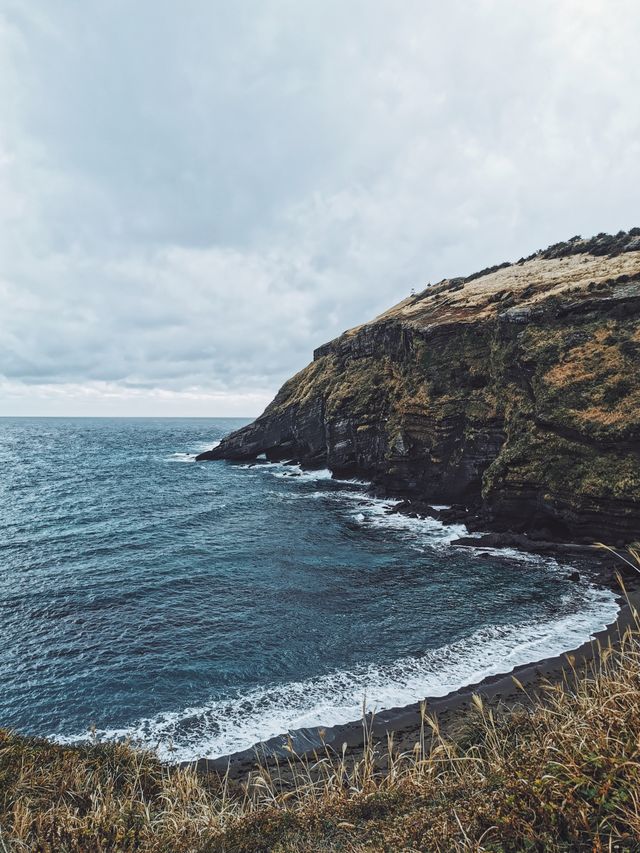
193, 198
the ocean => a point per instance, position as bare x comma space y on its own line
199, 608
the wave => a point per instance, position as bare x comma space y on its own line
181, 456
301, 474
239, 722
421, 533
296, 473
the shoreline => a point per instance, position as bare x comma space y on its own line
405, 721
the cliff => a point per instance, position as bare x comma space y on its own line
514, 391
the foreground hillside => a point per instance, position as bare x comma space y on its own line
515, 392
559, 773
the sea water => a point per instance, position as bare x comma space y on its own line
199, 608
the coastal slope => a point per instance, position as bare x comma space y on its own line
514, 392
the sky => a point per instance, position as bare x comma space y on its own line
195, 195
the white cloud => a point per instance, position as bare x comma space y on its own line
193, 198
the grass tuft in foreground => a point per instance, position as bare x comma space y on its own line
560, 773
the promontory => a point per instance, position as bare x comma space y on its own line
514, 392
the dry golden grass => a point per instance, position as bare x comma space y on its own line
559, 773
545, 276
598, 380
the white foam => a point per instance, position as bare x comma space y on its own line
224, 726
372, 512
353, 482
295, 472
510, 554
181, 457
191, 457
420, 532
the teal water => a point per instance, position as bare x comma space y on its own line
203, 607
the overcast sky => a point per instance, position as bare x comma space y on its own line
194, 195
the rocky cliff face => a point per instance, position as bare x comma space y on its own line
515, 392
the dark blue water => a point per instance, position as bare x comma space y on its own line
207, 606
